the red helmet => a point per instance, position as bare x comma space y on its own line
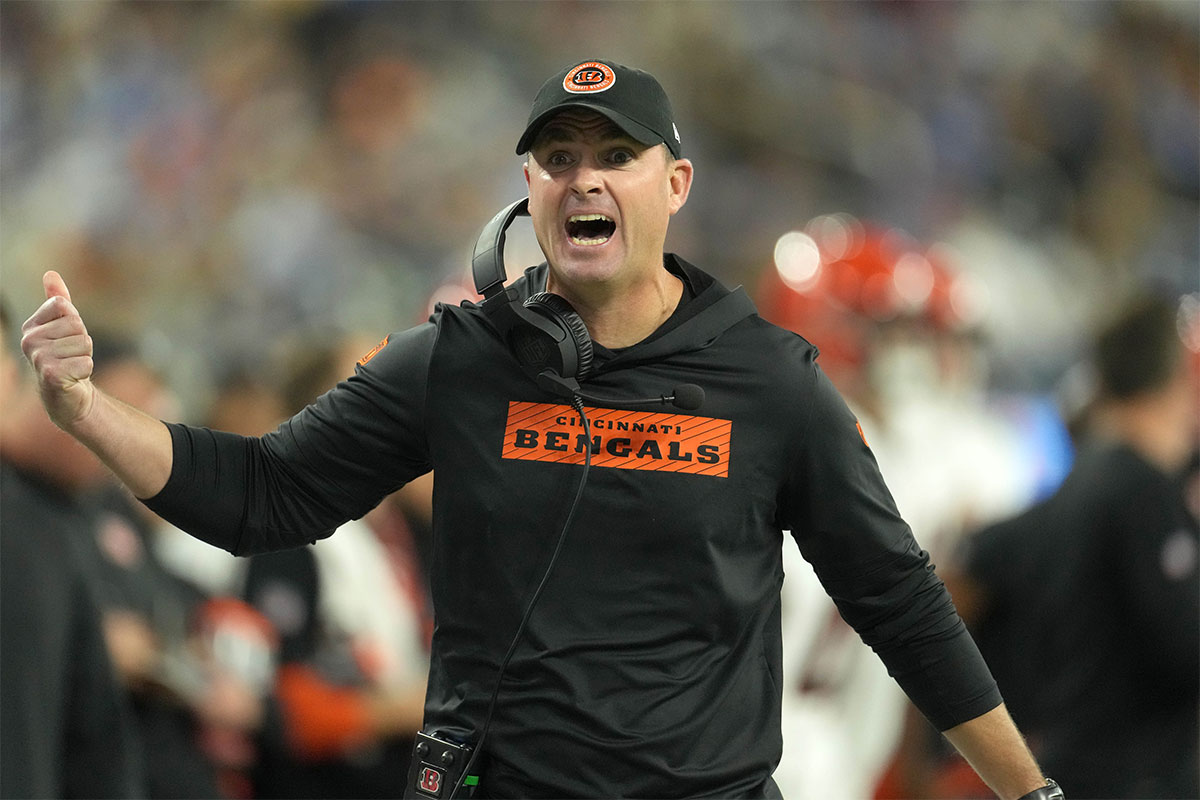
839, 278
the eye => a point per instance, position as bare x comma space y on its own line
621, 155
557, 160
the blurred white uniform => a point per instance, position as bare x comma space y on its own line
950, 465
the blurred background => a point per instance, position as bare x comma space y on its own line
216, 177
948, 198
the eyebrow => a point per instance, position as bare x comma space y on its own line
558, 132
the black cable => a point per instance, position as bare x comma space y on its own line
577, 404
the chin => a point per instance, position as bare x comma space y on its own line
579, 264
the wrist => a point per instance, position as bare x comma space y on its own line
1050, 791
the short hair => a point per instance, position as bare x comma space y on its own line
1138, 351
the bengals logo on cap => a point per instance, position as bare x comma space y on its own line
590, 76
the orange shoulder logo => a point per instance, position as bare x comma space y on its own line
374, 351
858, 425
588, 77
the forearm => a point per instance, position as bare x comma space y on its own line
995, 749
134, 445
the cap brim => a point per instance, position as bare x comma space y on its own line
635, 129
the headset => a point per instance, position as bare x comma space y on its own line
546, 335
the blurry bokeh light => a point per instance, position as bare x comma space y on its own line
798, 260
838, 235
912, 280
969, 300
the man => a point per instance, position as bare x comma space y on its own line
650, 665
52, 484
68, 729
1101, 580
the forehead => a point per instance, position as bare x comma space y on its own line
576, 124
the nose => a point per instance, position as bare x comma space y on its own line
586, 180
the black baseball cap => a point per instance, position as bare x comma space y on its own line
631, 98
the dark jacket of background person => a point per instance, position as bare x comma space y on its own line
67, 731
1090, 601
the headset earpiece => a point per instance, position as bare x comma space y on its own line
574, 352
544, 332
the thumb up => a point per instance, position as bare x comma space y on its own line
57, 344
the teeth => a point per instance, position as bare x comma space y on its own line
589, 218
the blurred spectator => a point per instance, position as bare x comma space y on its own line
351, 614
68, 728
185, 633
235, 172
195, 709
1087, 605
897, 336
179, 693
184, 702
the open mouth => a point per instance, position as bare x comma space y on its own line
590, 229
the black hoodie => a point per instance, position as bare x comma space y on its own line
651, 664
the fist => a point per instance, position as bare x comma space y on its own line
57, 344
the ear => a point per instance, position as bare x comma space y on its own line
680, 183
525, 169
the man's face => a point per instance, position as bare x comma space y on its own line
600, 201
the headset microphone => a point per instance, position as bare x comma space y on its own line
687, 396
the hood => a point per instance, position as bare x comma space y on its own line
712, 311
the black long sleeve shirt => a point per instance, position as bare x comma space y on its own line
651, 664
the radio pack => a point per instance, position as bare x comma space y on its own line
436, 769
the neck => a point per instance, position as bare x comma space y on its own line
1145, 426
620, 316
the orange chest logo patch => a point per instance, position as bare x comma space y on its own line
619, 439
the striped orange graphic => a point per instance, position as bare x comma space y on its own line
643, 440
374, 351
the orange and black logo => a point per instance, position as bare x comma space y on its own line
619, 439
374, 351
590, 76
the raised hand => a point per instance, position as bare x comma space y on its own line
57, 344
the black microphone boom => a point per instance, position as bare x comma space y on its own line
686, 396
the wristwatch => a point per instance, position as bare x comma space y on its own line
1050, 791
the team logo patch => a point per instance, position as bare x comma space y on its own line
374, 351
588, 77
619, 439
430, 781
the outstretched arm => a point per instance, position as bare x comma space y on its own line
134, 445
